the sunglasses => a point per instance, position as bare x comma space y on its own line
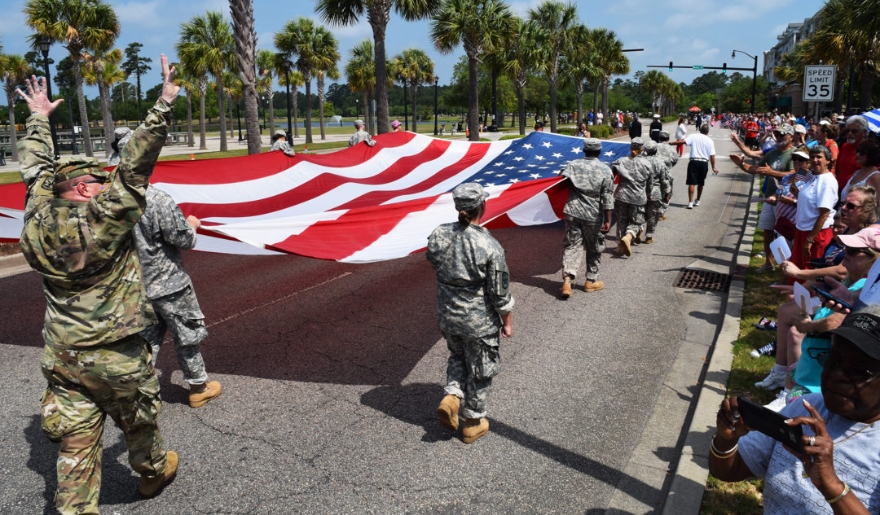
799, 158
849, 205
860, 377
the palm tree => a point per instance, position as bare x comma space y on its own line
245, 51
520, 56
78, 25
291, 79
206, 44
555, 22
233, 90
190, 85
325, 67
362, 75
266, 68
415, 66
13, 70
653, 81
103, 69
610, 59
578, 63
850, 34
480, 26
332, 74
347, 12
311, 47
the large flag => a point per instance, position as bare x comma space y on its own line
360, 204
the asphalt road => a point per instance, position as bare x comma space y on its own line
332, 374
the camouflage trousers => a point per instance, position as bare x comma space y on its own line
630, 218
86, 385
472, 364
582, 236
179, 313
653, 210
665, 205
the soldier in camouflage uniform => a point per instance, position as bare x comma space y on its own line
660, 192
670, 156
360, 135
588, 214
631, 195
279, 142
77, 235
473, 309
159, 236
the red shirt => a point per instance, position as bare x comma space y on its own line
752, 129
846, 164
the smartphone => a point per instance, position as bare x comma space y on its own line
770, 423
827, 296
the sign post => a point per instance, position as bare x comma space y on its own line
819, 83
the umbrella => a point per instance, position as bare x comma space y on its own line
695, 109
873, 119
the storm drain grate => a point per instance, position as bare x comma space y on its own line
702, 280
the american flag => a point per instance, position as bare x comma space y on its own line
360, 204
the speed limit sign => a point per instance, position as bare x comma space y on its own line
819, 83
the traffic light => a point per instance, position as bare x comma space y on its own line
724, 68
670, 65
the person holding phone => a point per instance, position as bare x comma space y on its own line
837, 468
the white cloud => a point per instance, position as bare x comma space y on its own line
146, 15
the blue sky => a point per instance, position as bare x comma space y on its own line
688, 32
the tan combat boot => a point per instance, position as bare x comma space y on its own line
591, 286
448, 412
151, 486
626, 241
649, 240
566, 288
638, 237
474, 428
199, 395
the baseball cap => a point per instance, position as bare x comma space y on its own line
785, 129
77, 167
862, 328
395, 123
468, 196
656, 115
868, 237
800, 128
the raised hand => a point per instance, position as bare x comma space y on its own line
169, 88
37, 100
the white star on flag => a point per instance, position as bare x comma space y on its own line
547, 144
557, 155
527, 146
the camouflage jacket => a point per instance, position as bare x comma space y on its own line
591, 191
473, 283
669, 155
662, 186
85, 250
636, 180
283, 146
158, 237
359, 136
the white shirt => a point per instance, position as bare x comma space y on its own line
820, 192
701, 145
681, 131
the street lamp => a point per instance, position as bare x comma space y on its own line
436, 79
357, 108
44, 42
754, 74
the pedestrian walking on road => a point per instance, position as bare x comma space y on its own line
473, 309
702, 154
660, 192
588, 214
78, 235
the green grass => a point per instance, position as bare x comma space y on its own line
759, 300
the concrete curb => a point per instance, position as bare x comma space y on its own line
12, 265
692, 471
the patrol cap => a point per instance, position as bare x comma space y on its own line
77, 167
664, 134
122, 134
650, 145
358, 123
280, 133
592, 144
636, 143
468, 196
785, 129
539, 125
